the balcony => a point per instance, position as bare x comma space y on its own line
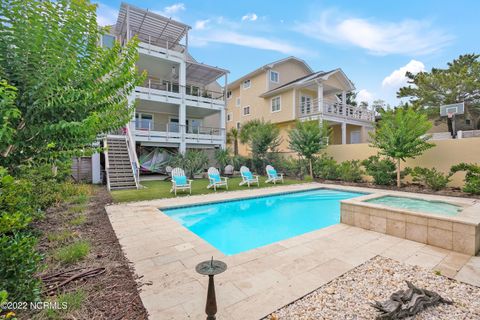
170, 92
173, 132
333, 110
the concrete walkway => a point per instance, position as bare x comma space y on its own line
262, 280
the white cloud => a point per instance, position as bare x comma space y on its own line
377, 37
250, 17
235, 38
364, 96
106, 15
174, 8
397, 78
201, 24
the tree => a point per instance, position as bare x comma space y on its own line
232, 138
307, 139
401, 134
263, 138
459, 82
69, 89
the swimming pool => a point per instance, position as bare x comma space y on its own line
437, 207
240, 225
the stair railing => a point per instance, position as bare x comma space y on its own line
107, 163
132, 154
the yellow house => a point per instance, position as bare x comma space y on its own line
288, 90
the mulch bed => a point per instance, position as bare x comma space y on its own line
112, 294
411, 187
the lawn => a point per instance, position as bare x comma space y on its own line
161, 189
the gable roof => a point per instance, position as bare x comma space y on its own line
312, 76
269, 66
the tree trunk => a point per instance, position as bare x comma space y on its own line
311, 167
398, 173
235, 147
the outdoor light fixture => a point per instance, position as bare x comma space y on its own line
210, 268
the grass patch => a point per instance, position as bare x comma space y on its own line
73, 252
161, 189
77, 208
78, 220
81, 199
71, 301
60, 237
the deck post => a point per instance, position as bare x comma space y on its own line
344, 132
320, 97
182, 114
344, 103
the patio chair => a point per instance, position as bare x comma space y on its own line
180, 181
228, 171
247, 177
215, 180
272, 175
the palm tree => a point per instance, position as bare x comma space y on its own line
232, 137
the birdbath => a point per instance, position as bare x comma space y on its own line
211, 268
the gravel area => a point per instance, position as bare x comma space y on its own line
348, 296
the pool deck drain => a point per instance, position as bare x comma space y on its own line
261, 280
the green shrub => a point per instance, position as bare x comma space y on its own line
292, 167
73, 252
239, 161
383, 171
431, 178
472, 176
325, 167
19, 264
193, 161
350, 171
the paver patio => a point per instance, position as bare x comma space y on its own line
259, 281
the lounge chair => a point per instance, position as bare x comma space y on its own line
272, 175
228, 171
247, 177
215, 179
180, 181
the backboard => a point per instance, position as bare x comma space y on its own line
455, 108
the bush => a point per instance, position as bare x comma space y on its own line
472, 176
19, 263
431, 178
350, 171
325, 167
239, 161
193, 162
383, 171
292, 167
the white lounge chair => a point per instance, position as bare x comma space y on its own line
247, 177
180, 181
215, 180
228, 171
272, 175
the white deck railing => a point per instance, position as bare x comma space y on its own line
174, 131
334, 108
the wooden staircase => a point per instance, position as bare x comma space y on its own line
119, 170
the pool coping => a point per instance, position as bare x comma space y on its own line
258, 282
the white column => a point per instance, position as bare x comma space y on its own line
320, 97
182, 112
223, 128
344, 102
96, 168
344, 133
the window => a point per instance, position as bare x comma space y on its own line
468, 122
238, 125
246, 111
247, 84
305, 104
229, 94
237, 102
108, 41
275, 104
229, 117
143, 121
274, 76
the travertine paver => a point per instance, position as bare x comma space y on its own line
261, 280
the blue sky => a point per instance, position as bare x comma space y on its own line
374, 42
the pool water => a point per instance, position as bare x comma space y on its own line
240, 225
437, 207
